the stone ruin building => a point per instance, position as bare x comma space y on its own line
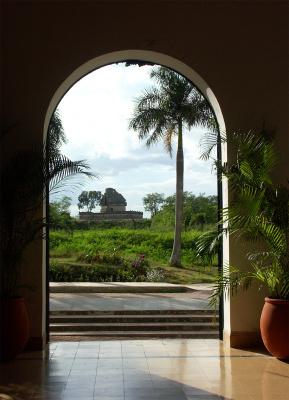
112, 201
112, 207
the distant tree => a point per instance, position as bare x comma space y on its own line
94, 199
59, 214
89, 200
199, 219
160, 114
83, 200
197, 211
64, 204
153, 201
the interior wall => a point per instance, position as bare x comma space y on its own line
238, 47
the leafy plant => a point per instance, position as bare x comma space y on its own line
140, 265
26, 180
101, 272
107, 257
258, 212
198, 212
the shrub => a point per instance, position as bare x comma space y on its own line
140, 265
94, 256
89, 273
60, 272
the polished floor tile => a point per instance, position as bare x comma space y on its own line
176, 369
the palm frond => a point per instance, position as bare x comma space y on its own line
146, 120
208, 245
168, 140
258, 211
209, 142
151, 98
62, 168
229, 282
161, 107
55, 133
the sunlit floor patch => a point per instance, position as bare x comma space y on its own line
185, 369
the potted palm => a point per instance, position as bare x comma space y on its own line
258, 212
26, 179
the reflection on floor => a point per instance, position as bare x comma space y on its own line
144, 370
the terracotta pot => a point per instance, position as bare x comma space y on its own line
14, 323
274, 325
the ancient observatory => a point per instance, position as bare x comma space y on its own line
112, 207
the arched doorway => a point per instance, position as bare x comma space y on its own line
155, 58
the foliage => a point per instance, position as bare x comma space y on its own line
104, 269
160, 114
164, 220
89, 200
159, 109
59, 214
74, 224
89, 273
140, 264
90, 245
259, 212
56, 135
199, 211
208, 245
152, 202
108, 257
126, 224
27, 177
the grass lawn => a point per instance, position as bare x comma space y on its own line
80, 248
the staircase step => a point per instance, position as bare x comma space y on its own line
131, 312
139, 334
134, 324
152, 326
132, 318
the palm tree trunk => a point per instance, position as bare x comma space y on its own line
175, 259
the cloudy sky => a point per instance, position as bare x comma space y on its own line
95, 115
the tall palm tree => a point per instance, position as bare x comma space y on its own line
161, 113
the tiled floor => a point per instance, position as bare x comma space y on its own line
145, 370
130, 301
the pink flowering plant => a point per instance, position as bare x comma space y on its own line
140, 265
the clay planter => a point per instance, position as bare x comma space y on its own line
274, 325
14, 332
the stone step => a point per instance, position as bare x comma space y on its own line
134, 324
92, 335
132, 312
122, 287
55, 319
149, 326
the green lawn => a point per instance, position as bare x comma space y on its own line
87, 247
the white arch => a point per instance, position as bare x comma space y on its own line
142, 55
170, 62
